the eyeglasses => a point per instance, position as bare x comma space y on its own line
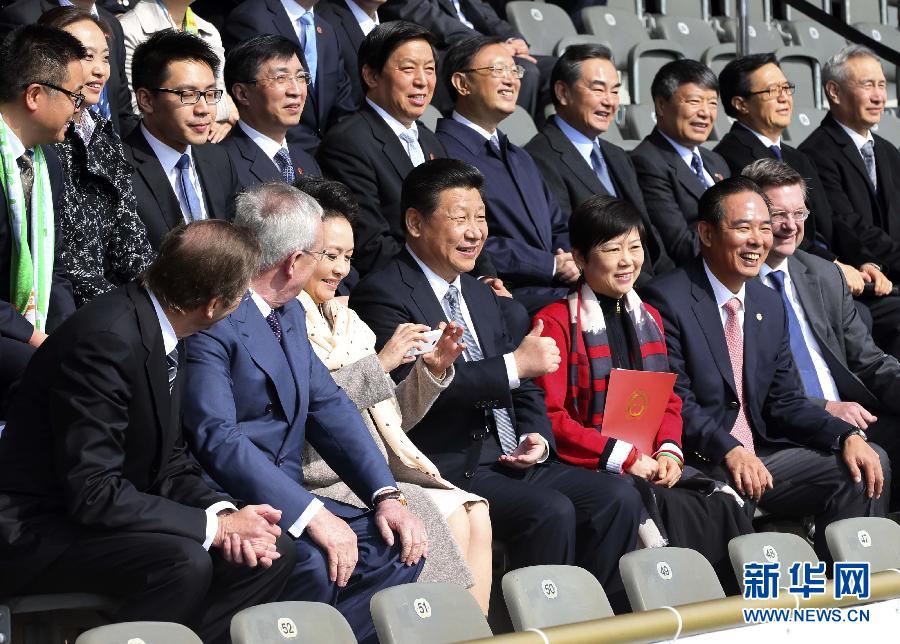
192, 96
775, 91
283, 80
781, 217
499, 71
317, 255
77, 97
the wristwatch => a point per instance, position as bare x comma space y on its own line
853, 432
391, 495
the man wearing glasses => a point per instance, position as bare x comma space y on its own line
40, 83
177, 178
269, 85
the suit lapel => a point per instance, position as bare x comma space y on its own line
155, 364
481, 306
809, 292
571, 158
885, 181
151, 170
260, 165
420, 290
208, 183
753, 319
707, 314
685, 175
529, 190
390, 143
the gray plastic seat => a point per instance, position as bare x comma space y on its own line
545, 596
657, 577
427, 613
888, 128
790, 13
872, 539
430, 117
634, 6
578, 39
889, 36
280, 621
783, 548
143, 632
639, 121
815, 37
685, 8
695, 35
801, 66
860, 10
805, 119
519, 126
543, 25
52, 607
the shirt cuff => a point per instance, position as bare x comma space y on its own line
212, 520
546, 453
618, 456
300, 524
512, 371
382, 490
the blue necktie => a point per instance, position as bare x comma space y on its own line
285, 165
191, 199
601, 170
802, 356
697, 167
776, 150
308, 43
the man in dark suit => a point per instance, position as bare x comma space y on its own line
573, 157
35, 295
257, 393
330, 96
100, 494
672, 167
746, 417
488, 432
529, 237
353, 20
117, 93
268, 84
176, 177
840, 365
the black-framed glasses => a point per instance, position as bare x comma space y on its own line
192, 96
775, 91
781, 217
283, 80
499, 71
77, 97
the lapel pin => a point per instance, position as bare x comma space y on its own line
759, 316
299, 170
718, 177
318, 29
431, 156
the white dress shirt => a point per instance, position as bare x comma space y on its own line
723, 294
858, 139
270, 147
168, 158
766, 141
823, 373
170, 341
295, 12
366, 22
687, 155
396, 126
461, 16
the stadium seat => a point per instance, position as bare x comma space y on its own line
656, 577
577, 39
631, 6
725, 22
639, 121
782, 548
545, 596
816, 38
889, 128
860, 11
757, 10
430, 117
519, 126
685, 8
50, 606
872, 539
801, 66
889, 36
430, 613
143, 632
789, 13
637, 56
695, 35
543, 25
276, 622
5, 625
804, 121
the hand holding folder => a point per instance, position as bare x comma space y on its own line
635, 404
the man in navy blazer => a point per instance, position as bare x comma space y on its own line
256, 392
329, 97
529, 238
746, 416
267, 81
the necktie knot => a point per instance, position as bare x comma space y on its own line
184, 162
307, 34
732, 306
777, 278
697, 166
494, 143
307, 19
26, 161
411, 138
274, 323
776, 150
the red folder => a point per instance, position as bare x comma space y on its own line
635, 404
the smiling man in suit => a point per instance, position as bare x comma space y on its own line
329, 94
747, 419
353, 20
672, 167
176, 177
268, 84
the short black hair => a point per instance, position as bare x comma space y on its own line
34, 53
734, 79
243, 61
381, 42
151, 59
336, 199
423, 186
568, 66
460, 57
601, 218
710, 208
673, 75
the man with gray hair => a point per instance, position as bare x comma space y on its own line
256, 392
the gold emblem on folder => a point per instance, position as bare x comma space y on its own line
637, 403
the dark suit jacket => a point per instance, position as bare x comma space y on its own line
350, 36
365, 154
873, 219
672, 192
330, 97
452, 432
573, 181
93, 443
62, 302
253, 166
156, 201
776, 408
27, 12
251, 403
440, 18
862, 372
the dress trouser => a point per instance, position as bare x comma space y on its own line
14, 357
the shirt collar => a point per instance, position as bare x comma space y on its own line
365, 22
260, 303
396, 126
170, 340
766, 141
438, 284
685, 153
577, 139
858, 140
722, 292
459, 118
17, 148
294, 10
267, 144
168, 157
782, 266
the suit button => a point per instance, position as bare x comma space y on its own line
733, 404
470, 474
280, 462
268, 408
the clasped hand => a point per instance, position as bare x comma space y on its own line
247, 537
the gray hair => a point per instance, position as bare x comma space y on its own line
769, 173
284, 219
836, 67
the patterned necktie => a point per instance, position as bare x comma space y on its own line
505, 431
26, 172
494, 145
734, 337
776, 150
413, 149
172, 367
308, 43
697, 167
868, 155
285, 165
274, 323
601, 170
191, 199
802, 356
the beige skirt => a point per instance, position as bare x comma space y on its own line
448, 501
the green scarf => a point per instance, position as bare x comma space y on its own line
190, 19
31, 269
